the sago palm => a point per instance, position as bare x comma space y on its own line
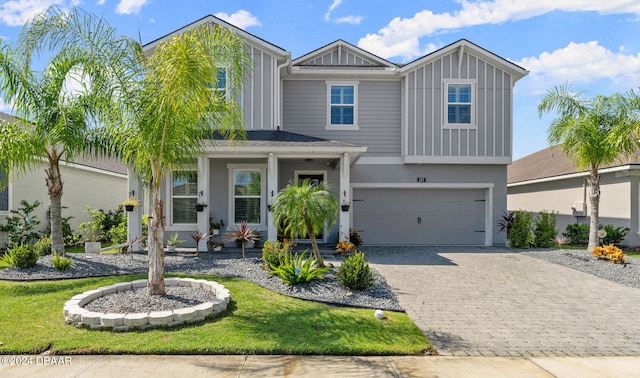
591, 132
306, 208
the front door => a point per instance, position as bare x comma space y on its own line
316, 178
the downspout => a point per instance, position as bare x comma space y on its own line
279, 93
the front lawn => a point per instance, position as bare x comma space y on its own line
257, 321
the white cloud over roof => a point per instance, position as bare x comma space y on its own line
17, 12
401, 36
130, 6
241, 19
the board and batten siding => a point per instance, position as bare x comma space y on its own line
425, 109
379, 114
259, 92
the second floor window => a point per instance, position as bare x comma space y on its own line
342, 104
459, 105
220, 87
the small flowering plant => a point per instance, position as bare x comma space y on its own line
609, 252
273, 253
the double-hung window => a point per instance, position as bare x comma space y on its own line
247, 194
184, 196
342, 105
220, 87
460, 98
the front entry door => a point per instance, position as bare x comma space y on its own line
316, 177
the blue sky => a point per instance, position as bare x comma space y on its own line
592, 44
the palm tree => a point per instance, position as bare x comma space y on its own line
305, 208
56, 107
592, 133
163, 102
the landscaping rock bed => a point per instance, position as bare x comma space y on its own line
110, 307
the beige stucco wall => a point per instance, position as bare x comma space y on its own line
82, 186
616, 201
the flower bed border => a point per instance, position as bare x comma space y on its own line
75, 313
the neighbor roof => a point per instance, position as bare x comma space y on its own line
551, 162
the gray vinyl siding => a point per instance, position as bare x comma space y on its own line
340, 57
426, 135
379, 114
259, 92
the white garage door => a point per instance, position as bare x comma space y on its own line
420, 216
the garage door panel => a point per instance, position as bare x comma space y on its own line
420, 216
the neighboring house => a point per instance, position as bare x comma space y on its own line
548, 180
101, 184
419, 151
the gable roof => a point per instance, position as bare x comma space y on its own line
268, 46
552, 162
470, 47
343, 54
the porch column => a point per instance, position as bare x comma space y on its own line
134, 221
203, 197
272, 193
345, 196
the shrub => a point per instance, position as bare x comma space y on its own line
93, 230
520, 234
544, 229
274, 252
118, 233
21, 256
345, 247
20, 227
354, 237
296, 270
609, 252
43, 246
61, 263
355, 272
577, 232
614, 234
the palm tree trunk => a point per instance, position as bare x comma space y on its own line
594, 202
155, 283
314, 244
54, 189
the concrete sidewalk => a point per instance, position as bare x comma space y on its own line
319, 366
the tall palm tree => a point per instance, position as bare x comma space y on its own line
305, 208
57, 107
591, 132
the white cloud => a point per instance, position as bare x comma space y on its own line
582, 63
101, 2
4, 107
241, 19
401, 36
17, 12
130, 6
354, 20
332, 7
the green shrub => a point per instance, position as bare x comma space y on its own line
21, 256
43, 246
520, 234
20, 227
544, 229
118, 233
93, 230
61, 263
274, 252
296, 270
355, 272
577, 232
614, 234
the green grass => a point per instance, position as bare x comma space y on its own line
257, 321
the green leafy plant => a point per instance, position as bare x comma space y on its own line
355, 272
60, 262
577, 232
43, 246
274, 252
173, 240
93, 230
544, 229
21, 256
20, 226
615, 235
295, 269
520, 234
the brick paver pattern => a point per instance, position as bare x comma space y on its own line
484, 301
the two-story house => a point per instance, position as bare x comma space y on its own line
418, 151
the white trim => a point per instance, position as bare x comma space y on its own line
381, 160
170, 225
445, 103
263, 195
354, 84
373, 185
92, 169
574, 175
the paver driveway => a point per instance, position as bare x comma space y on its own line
487, 301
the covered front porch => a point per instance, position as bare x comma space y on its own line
238, 181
